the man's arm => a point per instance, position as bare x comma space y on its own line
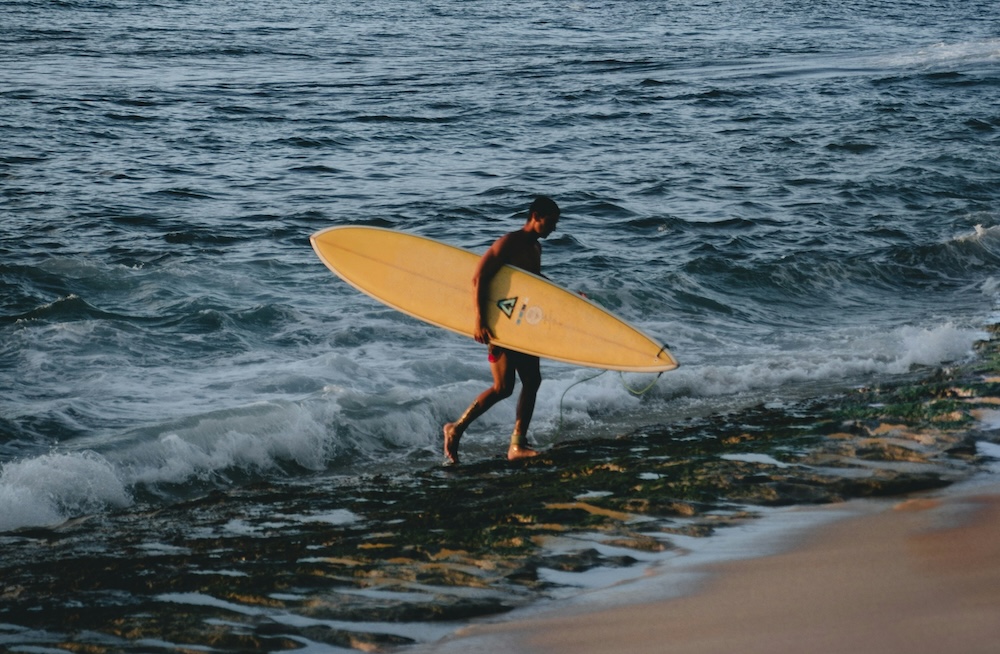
489, 264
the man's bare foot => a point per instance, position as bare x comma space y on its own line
451, 442
518, 452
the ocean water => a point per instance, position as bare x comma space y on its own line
798, 197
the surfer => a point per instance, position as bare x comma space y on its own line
522, 250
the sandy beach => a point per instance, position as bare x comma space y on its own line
917, 575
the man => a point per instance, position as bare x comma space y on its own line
522, 250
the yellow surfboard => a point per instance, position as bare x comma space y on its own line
432, 281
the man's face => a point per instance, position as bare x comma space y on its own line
547, 225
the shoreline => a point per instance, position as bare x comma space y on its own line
918, 573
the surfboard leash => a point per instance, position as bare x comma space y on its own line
563, 397
641, 391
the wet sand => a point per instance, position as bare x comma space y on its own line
918, 575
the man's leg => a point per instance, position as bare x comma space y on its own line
529, 370
503, 387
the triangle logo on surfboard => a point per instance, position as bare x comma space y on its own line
507, 305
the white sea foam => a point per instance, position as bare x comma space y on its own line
48, 489
253, 438
833, 356
45, 490
979, 233
948, 55
403, 418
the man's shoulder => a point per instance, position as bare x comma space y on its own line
515, 239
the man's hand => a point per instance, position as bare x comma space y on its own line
482, 334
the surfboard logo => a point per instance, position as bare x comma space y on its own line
507, 306
533, 315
